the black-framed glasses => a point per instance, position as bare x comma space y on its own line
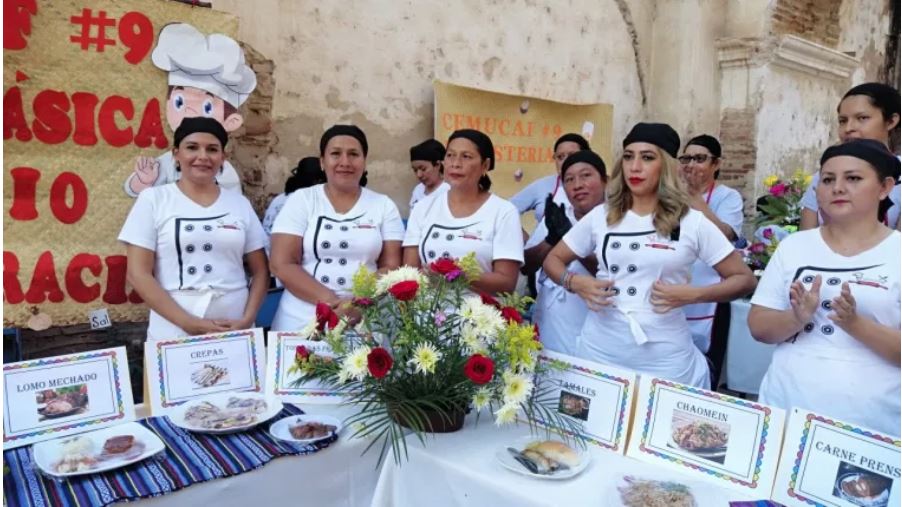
701, 158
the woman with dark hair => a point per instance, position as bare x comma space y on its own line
468, 218
426, 162
867, 111
722, 205
829, 298
188, 243
324, 233
535, 194
646, 238
558, 313
306, 174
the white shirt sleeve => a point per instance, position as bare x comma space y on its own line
392, 227
414, 225
809, 198
255, 238
530, 197
581, 237
730, 212
713, 246
773, 289
508, 240
294, 217
140, 228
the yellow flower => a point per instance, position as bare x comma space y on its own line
482, 398
771, 180
516, 388
506, 414
363, 283
425, 358
470, 266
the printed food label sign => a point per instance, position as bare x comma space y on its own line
57, 396
281, 378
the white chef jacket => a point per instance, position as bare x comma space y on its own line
823, 368
534, 195
726, 203
419, 192
228, 179
199, 251
558, 313
335, 244
631, 334
493, 232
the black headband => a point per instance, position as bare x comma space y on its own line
706, 141
661, 135
200, 124
482, 142
343, 130
572, 138
589, 157
429, 150
873, 152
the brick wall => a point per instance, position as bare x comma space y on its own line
814, 20
737, 136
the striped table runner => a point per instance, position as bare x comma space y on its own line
189, 458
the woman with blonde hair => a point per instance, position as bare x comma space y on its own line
646, 238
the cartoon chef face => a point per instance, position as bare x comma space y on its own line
190, 102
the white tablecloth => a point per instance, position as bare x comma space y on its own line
461, 469
336, 476
747, 360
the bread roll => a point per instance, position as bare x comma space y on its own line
556, 451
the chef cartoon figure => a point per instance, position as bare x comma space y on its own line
207, 77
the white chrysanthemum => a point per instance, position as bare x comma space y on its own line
482, 398
354, 365
309, 329
401, 274
471, 340
425, 358
337, 333
516, 387
485, 319
506, 414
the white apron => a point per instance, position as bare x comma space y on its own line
206, 304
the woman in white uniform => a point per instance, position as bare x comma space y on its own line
558, 313
722, 205
188, 243
866, 111
830, 298
468, 218
646, 238
426, 162
326, 232
533, 196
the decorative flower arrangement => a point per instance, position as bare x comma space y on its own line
425, 351
781, 206
759, 252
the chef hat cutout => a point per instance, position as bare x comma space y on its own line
214, 63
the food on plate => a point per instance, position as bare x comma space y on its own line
77, 455
646, 493
864, 486
78, 445
310, 430
118, 444
209, 375
700, 435
238, 412
549, 456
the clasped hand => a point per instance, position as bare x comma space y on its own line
666, 297
596, 293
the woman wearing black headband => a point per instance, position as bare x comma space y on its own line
646, 239
830, 298
324, 233
867, 111
558, 313
535, 194
722, 205
468, 218
426, 162
188, 243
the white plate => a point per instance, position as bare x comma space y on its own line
177, 415
47, 454
508, 461
280, 428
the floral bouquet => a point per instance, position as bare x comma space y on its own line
759, 252
425, 351
782, 203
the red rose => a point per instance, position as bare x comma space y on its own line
443, 266
301, 354
535, 328
511, 314
379, 361
489, 300
479, 369
404, 291
363, 301
325, 317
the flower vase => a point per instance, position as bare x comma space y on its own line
435, 422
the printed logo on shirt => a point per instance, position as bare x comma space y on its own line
652, 241
232, 225
878, 282
365, 224
471, 234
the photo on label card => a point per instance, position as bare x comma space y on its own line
859, 486
700, 436
62, 401
209, 373
574, 405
